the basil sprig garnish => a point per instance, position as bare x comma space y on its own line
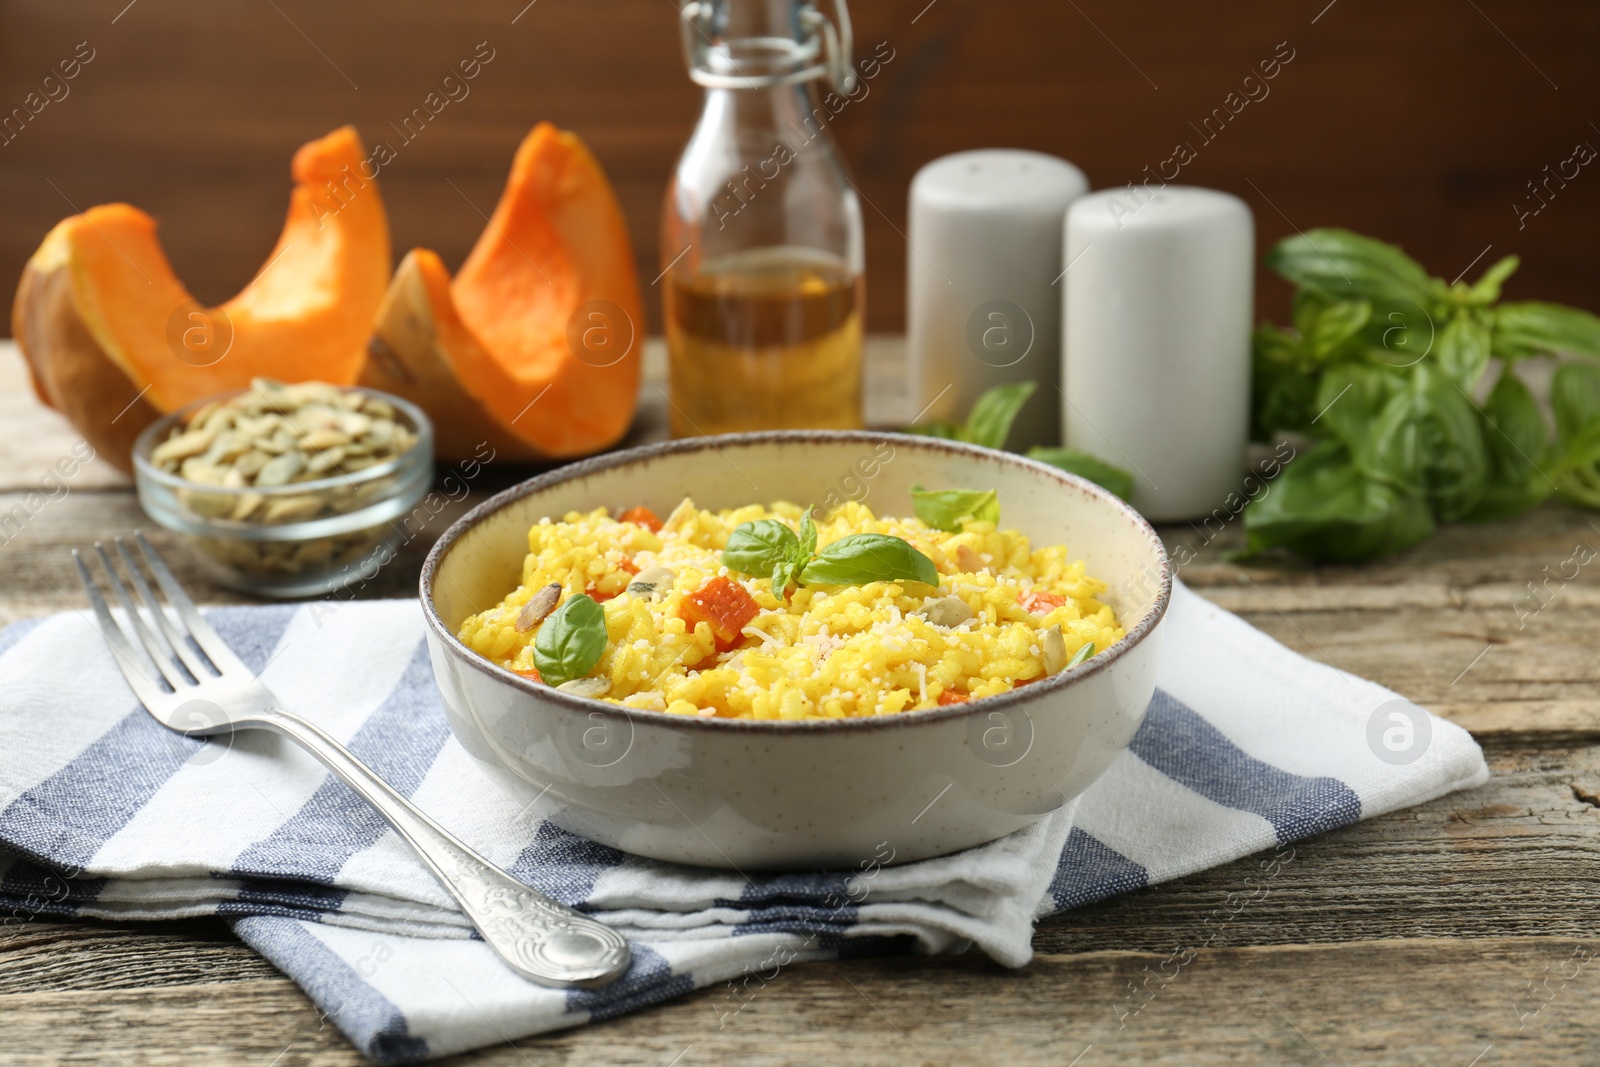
571, 641
947, 509
767, 548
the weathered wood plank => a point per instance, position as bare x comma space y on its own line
1408, 1001
41, 956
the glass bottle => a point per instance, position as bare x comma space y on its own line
761, 230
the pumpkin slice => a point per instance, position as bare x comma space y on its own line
113, 338
538, 338
418, 318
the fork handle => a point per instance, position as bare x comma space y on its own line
539, 938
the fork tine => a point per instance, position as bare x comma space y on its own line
174, 637
144, 687
215, 648
159, 654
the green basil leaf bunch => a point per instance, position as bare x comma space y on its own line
570, 641
767, 548
989, 424
1382, 368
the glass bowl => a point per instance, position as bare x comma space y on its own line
300, 539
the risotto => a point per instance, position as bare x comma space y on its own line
758, 613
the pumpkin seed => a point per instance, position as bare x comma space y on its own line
680, 515
229, 445
244, 506
181, 447
651, 583
539, 605
206, 505
251, 462
324, 461
586, 687
292, 508
323, 438
313, 417
280, 469
947, 611
1054, 648
353, 424
196, 469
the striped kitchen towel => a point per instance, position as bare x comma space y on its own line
103, 813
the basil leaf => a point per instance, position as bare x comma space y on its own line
1486, 290
1531, 328
941, 428
1463, 350
994, 412
1325, 324
947, 509
1575, 399
571, 641
1402, 333
1324, 507
1083, 653
783, 573
759, 548
1348, 265
1283, 384
1075, 461
1455, 466
1575, 396
1348, 401
868, 557
808, 539
1516, 441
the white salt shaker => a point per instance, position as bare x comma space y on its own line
982, 306
1156, 359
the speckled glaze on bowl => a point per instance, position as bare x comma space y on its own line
762, 795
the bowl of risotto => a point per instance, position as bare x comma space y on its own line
797, 649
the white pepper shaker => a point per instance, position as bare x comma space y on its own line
1156, 359
982, 306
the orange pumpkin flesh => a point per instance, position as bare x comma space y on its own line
413, 353
552, 270
100, 314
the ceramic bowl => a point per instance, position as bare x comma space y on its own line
766, 795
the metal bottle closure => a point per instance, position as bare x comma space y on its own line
820, 48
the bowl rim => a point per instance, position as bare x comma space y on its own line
144, 445
716, 443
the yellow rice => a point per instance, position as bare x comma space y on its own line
828, 652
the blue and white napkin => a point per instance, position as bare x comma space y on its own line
103, 813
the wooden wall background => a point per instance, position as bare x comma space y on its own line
1421, 121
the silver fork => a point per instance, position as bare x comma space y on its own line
208, 690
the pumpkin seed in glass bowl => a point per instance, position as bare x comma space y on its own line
287, 490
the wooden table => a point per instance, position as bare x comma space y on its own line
1461, 933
